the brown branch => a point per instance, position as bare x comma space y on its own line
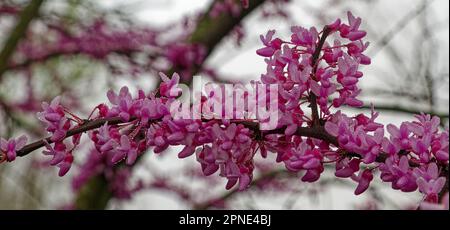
315, 64
26, 16
90, 125
313, 132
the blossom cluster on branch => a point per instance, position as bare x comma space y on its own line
315, 77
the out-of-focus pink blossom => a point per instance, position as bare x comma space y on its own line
11, 146
443, 205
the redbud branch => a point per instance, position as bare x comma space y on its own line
313, 132
316, 132
87, 126
315, 60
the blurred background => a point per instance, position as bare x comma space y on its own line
81, 48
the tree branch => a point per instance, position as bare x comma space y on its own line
315, 64
90, 125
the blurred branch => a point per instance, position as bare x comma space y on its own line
387, 38
27, 15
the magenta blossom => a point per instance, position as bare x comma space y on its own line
351, 31
54, 117
11, 146
169, 87
443, 205
304, 157
62, 158
123, 104
271, 44
304, 37
364, 178
429, 182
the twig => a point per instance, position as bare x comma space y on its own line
315, 59
94, 124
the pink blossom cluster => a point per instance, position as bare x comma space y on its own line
336, 72
10, 147
310, 74
58, 122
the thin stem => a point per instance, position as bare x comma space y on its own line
315, 60
87, 126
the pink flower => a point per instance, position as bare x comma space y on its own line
348, 71
364, 178
396, 170
346, 168
231, 153
122, 102
304, 37
169, 87
324, 90
356, 50
207, 160
440, 148
359, 135
335, 25
443, 205
157, 137
400, 137
151, 109
127, 149
105, 138
54, 117
331, 56
429, 182
65, 165
11, 146
61, 157
304, 157
351, 31
271, 44
58, 152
